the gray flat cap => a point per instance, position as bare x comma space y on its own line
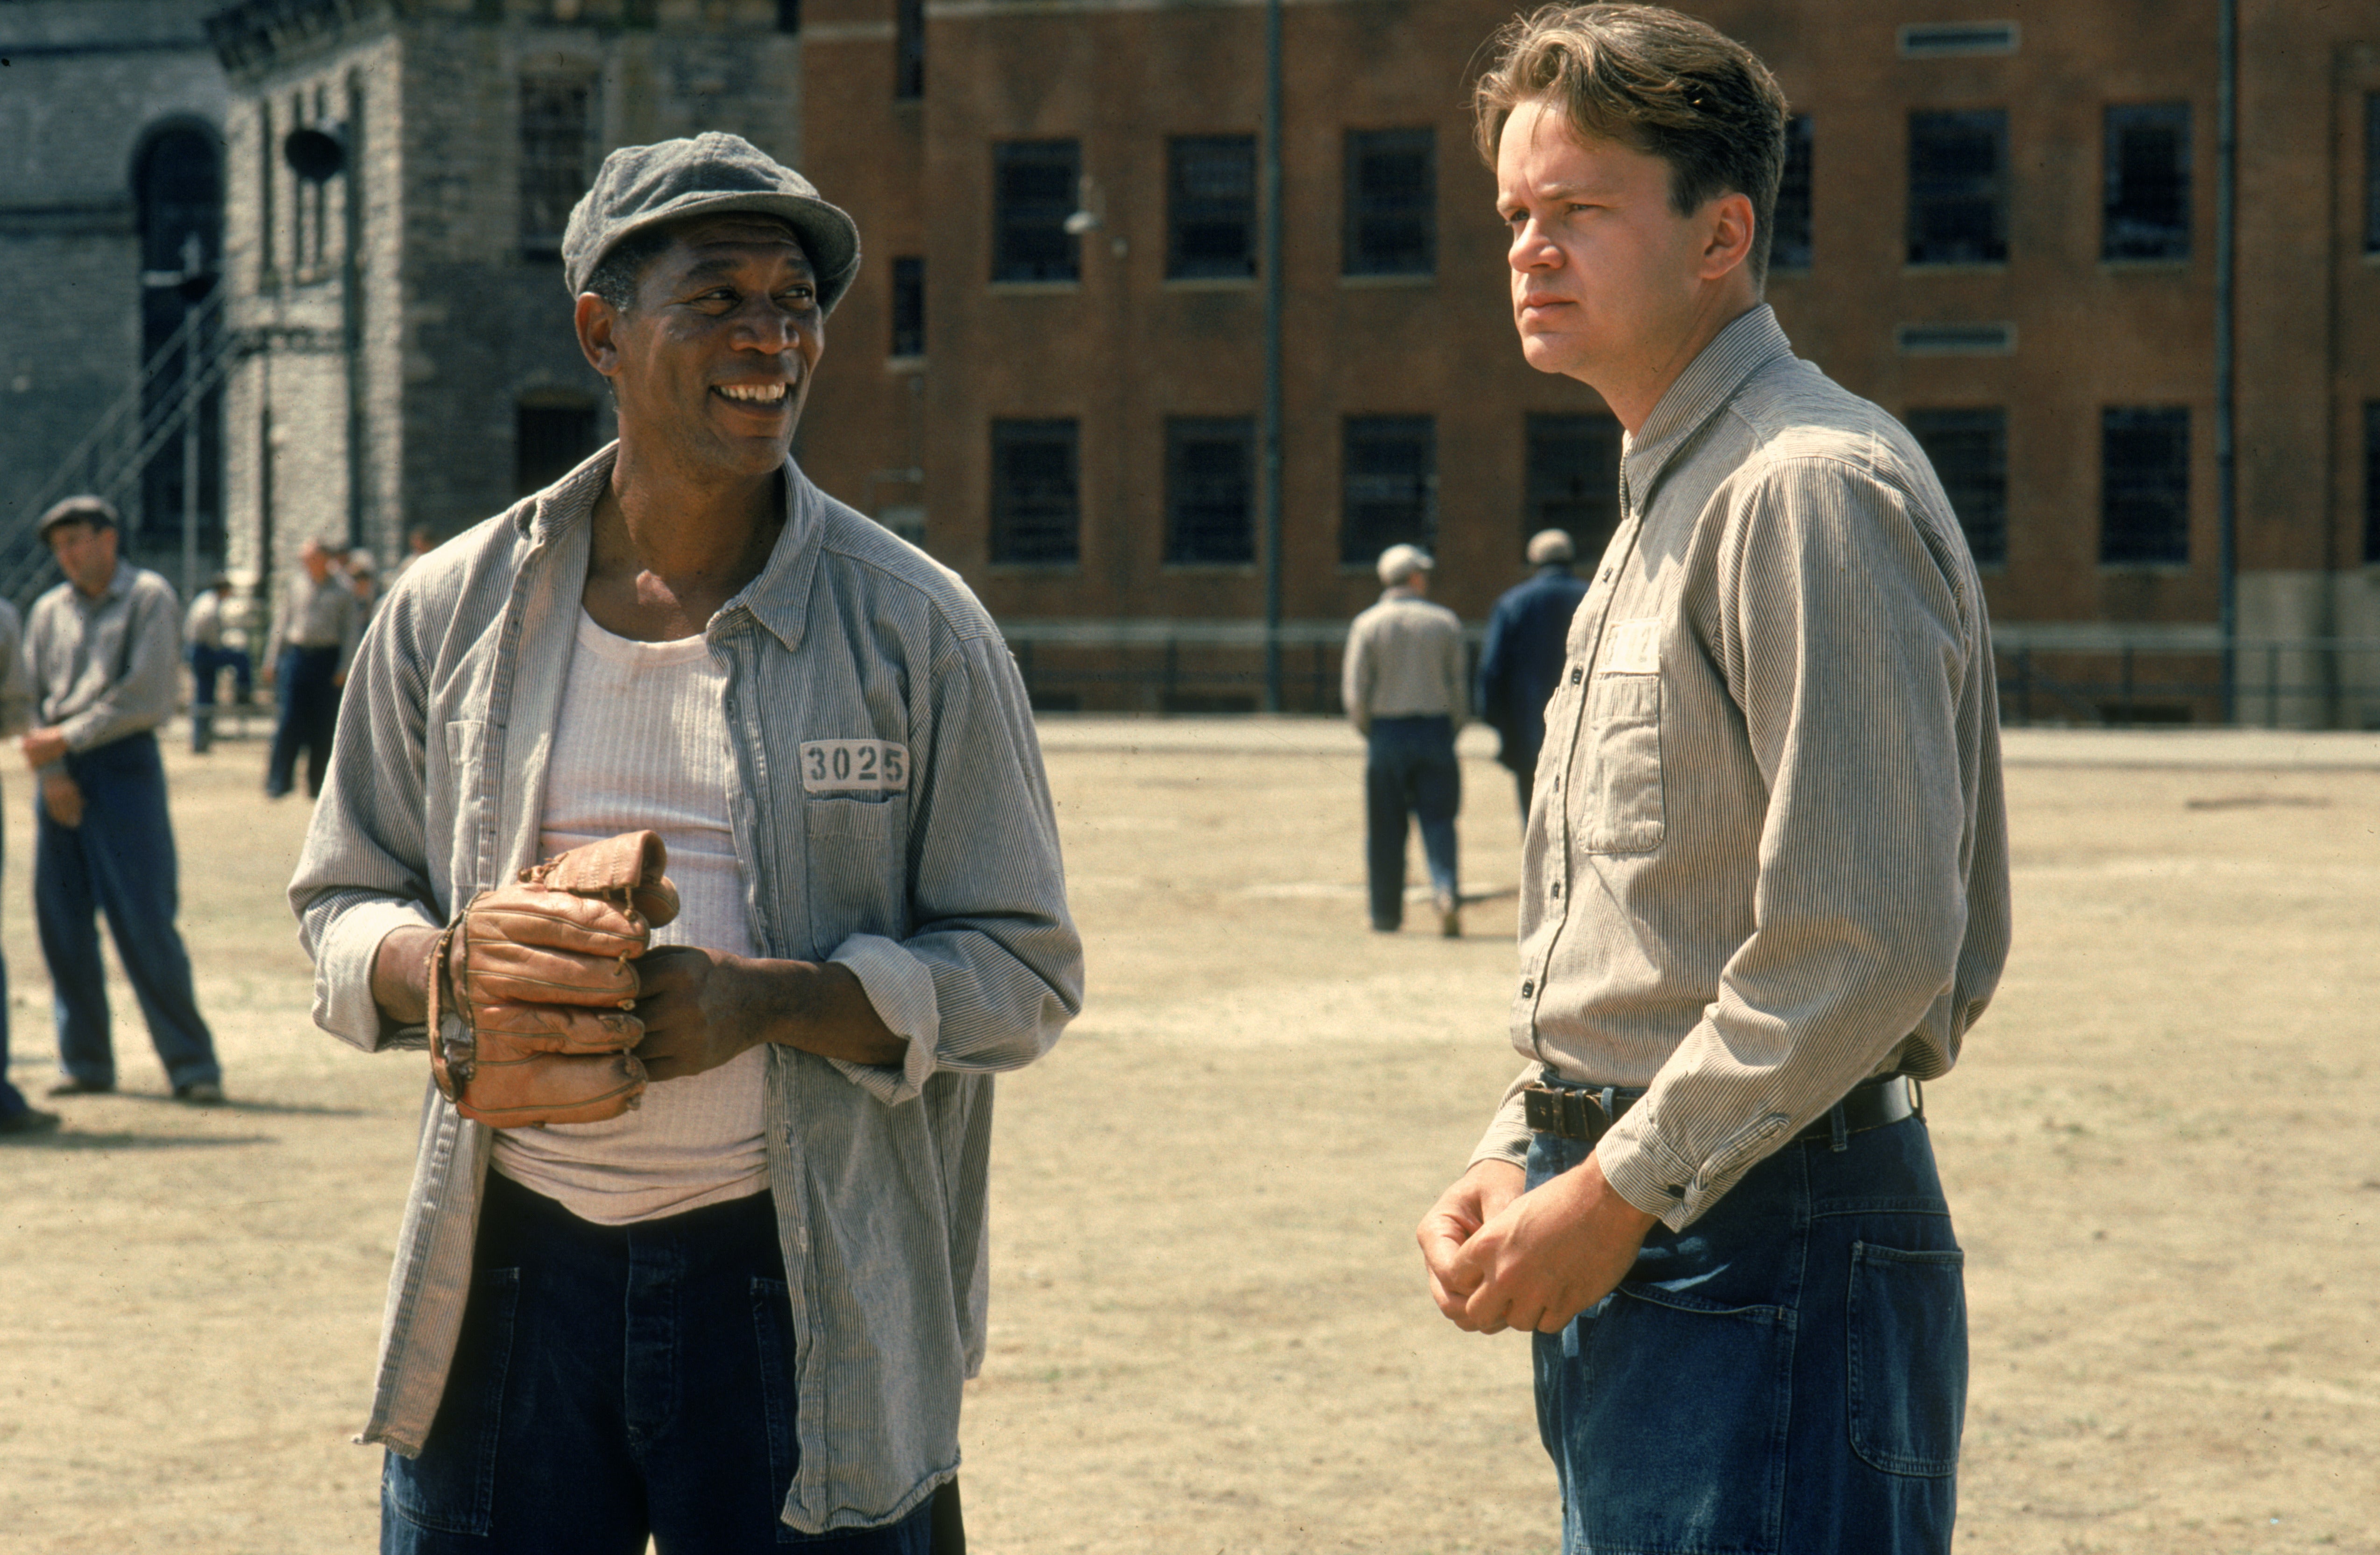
88, 509
708, 176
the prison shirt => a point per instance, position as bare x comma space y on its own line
1404, 660
106, 668
312, 615
1769, 855
891, 815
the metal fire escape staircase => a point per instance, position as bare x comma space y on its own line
161, 405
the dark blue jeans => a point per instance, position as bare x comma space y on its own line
612, 1382
308, 709
120, 862
1785, 1376
207, 665
12, 1100
1409, 770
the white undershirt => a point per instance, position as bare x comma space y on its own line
642, 744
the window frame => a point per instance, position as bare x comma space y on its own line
1984, 524
1365, 206
2115, 170
1186, 212
1800, 135
1011, 218
534, 242
1545, 428
1989, 192
2122, 545
1008, 436
1361, 546
1182, 433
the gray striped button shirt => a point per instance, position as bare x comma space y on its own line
1769, 855
933, 875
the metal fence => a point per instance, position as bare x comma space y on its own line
2103, 676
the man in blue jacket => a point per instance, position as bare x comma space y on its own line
1523, 660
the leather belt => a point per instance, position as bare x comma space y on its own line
1584, 1115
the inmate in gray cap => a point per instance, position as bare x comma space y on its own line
708, 176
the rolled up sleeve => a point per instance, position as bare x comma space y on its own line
991, 970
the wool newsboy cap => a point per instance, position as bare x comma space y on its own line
89, 508
710, 175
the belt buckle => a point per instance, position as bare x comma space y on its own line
1571, 1114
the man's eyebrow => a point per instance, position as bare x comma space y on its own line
721, 264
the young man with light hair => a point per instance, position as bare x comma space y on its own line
1765, 886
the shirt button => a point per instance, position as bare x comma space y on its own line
1607, 574
1527, 989
1557, 888
1574, 674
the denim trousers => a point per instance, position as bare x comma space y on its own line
1409, 770
612, 1382
1787, 1376
307, 707
119, 861
207, 665
12, 1100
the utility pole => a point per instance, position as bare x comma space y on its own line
2227, 482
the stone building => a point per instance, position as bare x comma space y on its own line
1999, 224
111, 221
399, 174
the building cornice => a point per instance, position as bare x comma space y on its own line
255, 35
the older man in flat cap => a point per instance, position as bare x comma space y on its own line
739, 1314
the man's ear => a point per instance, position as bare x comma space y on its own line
596, 320
1728, 238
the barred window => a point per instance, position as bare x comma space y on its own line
1211, 206
2372, 172
551, 437
908, 49
1391, 203
1211, 470
1789, 245
2147, 201
1033, 193
1969, 451
2143, 485
2371, 481
557, 121
1958, 187
1573, 480
909, 307
1035, 505
1389, 473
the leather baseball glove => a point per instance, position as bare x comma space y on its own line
531, 984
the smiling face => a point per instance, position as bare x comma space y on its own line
711, 365
1610, 285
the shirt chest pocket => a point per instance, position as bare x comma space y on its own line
1619, 805
856, 869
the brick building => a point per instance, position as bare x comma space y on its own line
400, 172
2000, 224
111, 221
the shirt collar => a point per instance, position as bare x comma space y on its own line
118, 582
1398, 591
774, 599
1750, 343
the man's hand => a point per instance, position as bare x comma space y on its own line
700, 1009
62, 797
1476, 1198
1548, 1255
42, 746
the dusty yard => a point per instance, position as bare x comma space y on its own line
1210, 1333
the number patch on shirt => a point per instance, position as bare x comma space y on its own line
854, 767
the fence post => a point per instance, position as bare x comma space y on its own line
2271, 686
2125, 701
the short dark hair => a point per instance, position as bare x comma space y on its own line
621, 271
1653, 79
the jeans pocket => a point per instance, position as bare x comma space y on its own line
1673, 1426
1908, 1358
452, 1486
772, 1321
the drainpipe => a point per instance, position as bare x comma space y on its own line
2226, 497
351, 323
1271, 455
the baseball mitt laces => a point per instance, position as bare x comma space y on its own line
531, 987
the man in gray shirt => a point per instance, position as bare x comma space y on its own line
1765, 885
1404, 688
849, 755
102, 651
315, 628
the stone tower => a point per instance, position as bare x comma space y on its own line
400, 171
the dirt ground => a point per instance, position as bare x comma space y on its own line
1208, 1328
